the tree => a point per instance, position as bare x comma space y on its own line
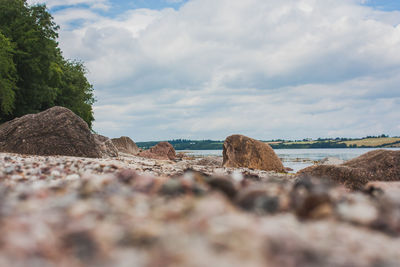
43, 77
75, 92
7, 77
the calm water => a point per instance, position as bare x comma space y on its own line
298, 159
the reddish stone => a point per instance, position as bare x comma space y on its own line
242, 151
162, 150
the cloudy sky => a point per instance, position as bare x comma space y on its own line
205, 69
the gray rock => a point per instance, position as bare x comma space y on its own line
126, 145
106, 146
56, 131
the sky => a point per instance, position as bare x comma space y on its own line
206, 69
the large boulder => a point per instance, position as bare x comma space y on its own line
377, 165
56, 131
242, 151
126, 145
106, 146
162, 150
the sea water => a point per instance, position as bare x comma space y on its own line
298, 159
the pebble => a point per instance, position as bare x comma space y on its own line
55, 173
358, 210
72, 177
9, 170
17, 177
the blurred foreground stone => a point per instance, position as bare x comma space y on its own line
133, 211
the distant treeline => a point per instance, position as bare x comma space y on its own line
184, 144
318, 144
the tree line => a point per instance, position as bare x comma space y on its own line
184, 144
34, 75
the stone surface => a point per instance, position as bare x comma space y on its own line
125, 144
106, 146
242, 151
162, 150
377, 165
56, 131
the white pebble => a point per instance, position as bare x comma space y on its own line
55, 173
72, 177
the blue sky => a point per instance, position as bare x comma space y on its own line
388, 5
119, 6
206, 69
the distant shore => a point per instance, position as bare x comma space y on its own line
365, 142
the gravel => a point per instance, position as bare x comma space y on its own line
131, 211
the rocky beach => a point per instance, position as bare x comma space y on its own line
193, 133
126, 207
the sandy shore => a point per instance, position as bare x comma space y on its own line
131, 211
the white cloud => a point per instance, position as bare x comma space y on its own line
265, 68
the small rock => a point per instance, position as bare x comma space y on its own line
17, 177
126, 176
172, 187
72, 177
312, 204
55, 173
224, 185
258, 201
81, 244
358, 211
9, 170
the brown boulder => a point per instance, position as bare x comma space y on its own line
126, 145
377, 165
56, 131
162, 150
106, 146
242, 151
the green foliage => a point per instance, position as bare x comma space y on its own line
7, 76
319, 144
75, 92
43, 78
